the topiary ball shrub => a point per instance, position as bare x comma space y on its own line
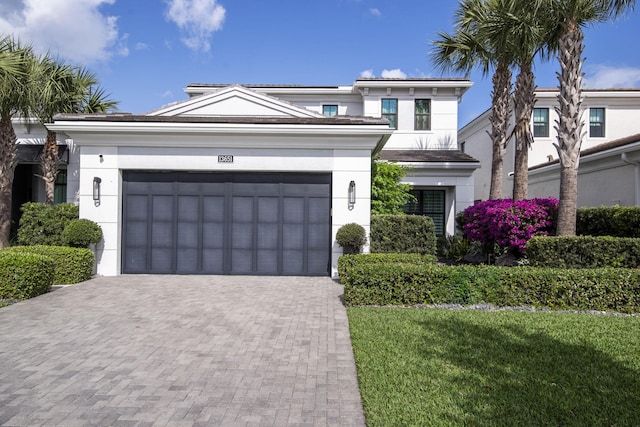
79, 233
352, 237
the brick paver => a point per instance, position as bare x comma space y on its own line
180, 351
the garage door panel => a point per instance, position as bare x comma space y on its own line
226, 223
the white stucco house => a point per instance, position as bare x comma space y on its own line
609, 153
257, 179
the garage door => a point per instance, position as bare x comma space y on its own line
226, 223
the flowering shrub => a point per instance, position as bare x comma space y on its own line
510, 224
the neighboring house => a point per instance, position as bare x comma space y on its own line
257, 179
611, 117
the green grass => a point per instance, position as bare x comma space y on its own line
474, 368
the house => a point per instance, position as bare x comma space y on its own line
257, 179
606, 174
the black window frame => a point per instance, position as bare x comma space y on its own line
391, 116
60, 187
417, 207
422, 121
332, 106
540, 128
597, 128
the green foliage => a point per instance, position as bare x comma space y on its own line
79, 233
43, 224
388, 194
347, 262
24, 275
584, 251
606, 289
619, 221
351, 236
70, 265
455, 247
403, 233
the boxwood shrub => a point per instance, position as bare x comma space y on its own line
71, 265
620, 221
347, 262
606, 289
402, 234
24, 275
43, 224
584, 251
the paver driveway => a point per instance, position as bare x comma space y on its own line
180, 350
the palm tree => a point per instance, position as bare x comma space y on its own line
469, 48
14, 75
570, 18
62, 88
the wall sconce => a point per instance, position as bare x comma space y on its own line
352, 194
96, 190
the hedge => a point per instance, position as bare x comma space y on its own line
402, 234
71, 265
409, 285
24, 275
347, 262
584, 251
620, 221
43, 224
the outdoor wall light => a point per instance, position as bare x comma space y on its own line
96, 190
352, 194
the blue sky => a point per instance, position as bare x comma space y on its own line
146, 51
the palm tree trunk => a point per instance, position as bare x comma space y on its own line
524, 102
569, 124
499, 119
49, 165
8, 158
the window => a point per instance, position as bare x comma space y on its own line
596, 122
541, 122
423, 114
429, 203
390, 112
330, 110
60, 187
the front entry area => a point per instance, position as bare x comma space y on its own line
226, 223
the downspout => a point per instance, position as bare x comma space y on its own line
636, 166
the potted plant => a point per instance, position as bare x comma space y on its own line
352, 237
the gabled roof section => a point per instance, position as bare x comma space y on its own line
235, 101
427, 156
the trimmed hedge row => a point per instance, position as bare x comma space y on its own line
347, 262
407, 284
584, 251
43, 224
70, 265
24, 275
402, 234
620, 221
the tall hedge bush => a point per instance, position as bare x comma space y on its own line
43, 224
619, 221
24, 275
70, 265
402, 233
584, 251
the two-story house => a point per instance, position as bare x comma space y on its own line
608, 172
257, 179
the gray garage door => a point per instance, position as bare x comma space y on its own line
226, 223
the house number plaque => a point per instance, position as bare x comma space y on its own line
225, 158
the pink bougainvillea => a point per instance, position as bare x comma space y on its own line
510, 224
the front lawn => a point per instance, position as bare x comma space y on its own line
479, 368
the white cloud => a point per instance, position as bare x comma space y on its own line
393, 74
199, 19
74, 29
607, 77
375, 12
367, 74
141, 46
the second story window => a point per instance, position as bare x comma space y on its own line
423, 114
541, 122
330, 110
596, 122
390, 111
